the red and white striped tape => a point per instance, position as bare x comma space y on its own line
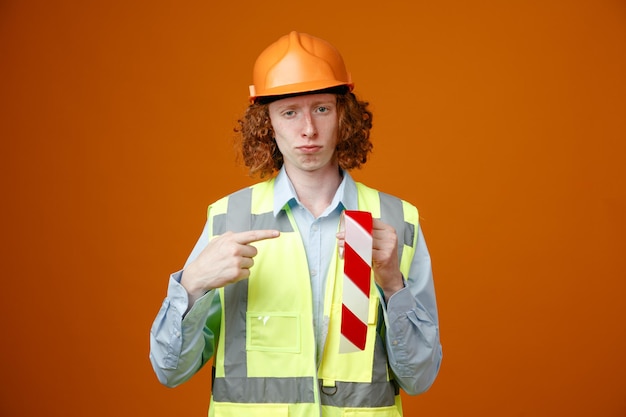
356, 280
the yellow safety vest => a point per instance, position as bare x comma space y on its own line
271, 315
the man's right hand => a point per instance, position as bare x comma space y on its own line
226, 259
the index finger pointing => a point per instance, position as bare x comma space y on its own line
252, 236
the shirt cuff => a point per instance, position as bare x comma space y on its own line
179, 299
176, 293
400, 302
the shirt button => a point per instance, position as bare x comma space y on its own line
315, 228
313, 272
395, 343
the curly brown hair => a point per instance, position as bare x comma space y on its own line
262, 156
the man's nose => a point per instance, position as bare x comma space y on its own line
309, 130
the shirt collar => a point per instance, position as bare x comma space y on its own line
285, 194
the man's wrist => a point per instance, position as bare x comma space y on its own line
390, 291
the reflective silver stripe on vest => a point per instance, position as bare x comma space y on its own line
264, 390
235, 307
392, 213
356, 394
238, 218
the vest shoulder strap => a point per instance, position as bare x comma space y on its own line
394, 211
248, 209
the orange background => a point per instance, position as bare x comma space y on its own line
504, 122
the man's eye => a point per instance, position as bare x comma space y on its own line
289, 113
322, 109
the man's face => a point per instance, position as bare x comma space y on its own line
305, 129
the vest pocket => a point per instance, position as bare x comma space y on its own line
258, 410
272, 331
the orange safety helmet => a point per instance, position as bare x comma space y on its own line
298, 63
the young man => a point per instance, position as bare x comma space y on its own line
262, 290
